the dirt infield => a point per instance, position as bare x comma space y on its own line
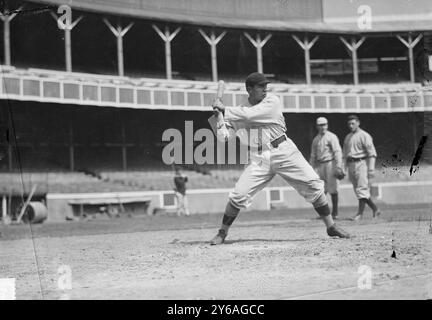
269, 255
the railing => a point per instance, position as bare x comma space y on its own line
145, 93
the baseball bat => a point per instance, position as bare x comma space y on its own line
220, 89
217, 116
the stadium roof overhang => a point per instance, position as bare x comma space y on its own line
140, 9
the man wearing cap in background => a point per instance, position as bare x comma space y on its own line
271, 153
180, 192
359, 155
326, 159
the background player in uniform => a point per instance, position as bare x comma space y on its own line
326, 159
271, 152
359, 155
180, 192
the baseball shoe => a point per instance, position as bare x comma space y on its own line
335, 231
219, 238
376, 214
335, 216
357, 217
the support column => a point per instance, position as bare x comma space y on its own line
212, 40
10, 156
7, 17
167, 37
307, 46
71, 149
124, 148
258, 44
353, 47
4, 207
410, 44
67, 27
119, 33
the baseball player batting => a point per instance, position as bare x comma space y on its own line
326, 159
271, 153
359, 156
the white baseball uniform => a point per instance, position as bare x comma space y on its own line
286, 160
326, 155
357, 147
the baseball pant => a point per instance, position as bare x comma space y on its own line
358, 175
325, 171
285, 160
182, 204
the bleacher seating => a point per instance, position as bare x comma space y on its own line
56, 182
122, 181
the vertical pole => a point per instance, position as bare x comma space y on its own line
68, 47
120, 55
353, 49
68, 50
258, 44
167, 38
4, 207
7, 17
214, 61
306, 46
10, 155
410, 44
355, 62
259, 55
168, 59
119, 34
6, 33
213, 41
71, 149
411, 59
124, 150
9, 203
307, 63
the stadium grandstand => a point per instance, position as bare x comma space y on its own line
86, 94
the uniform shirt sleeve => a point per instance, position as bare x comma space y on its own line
337, 150
345, 149
267, 111
369, 145
312, 160
225, 130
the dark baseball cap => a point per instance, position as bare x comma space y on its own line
256, 78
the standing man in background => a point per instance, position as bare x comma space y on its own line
180, 192
359, 155
326, 159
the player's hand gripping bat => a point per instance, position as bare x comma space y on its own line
219, 95
217, 115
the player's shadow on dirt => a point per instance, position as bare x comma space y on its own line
242, 241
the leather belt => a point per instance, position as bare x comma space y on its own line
355, 159
276, 142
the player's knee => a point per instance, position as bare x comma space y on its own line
312, 190
239, 200
320, 201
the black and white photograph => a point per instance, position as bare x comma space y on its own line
231, 152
